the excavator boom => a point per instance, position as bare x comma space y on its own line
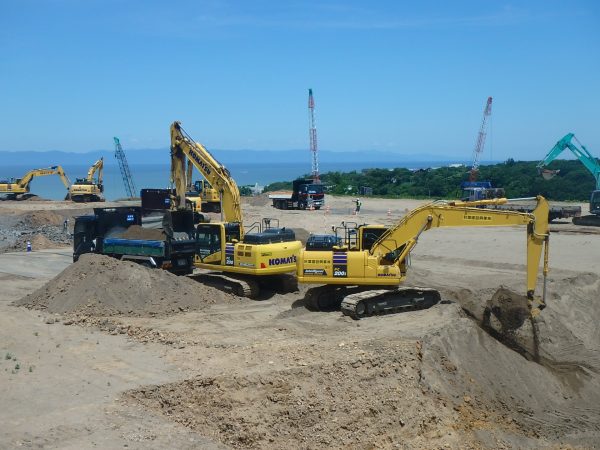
581, 152
98, 166
184, 148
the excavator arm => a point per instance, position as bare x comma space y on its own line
97, 167
582, 154
63, 176
183, 148
396, 244
54, 170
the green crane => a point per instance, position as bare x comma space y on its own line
590, 162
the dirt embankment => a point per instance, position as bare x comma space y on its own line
341, 404
98, 285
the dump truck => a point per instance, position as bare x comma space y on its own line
305, 195
119, 233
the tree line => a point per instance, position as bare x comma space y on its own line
518, 178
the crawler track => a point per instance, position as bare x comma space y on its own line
363, 301
383, 301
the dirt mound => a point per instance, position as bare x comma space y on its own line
256, 200
345, 404
97, 285
138, 232
540, 370
41, 218
41, 242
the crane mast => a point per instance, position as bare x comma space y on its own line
480, 140
312, 132
125, 172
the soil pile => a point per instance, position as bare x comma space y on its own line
545, 371
40, 242
138, 232
97, 285
40, 218
344, 404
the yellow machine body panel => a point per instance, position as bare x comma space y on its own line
244, 258
346, 267
85, 189
13, 187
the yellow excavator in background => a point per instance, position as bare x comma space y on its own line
89, 189
201, 194
362, 269
263, 254
18, 188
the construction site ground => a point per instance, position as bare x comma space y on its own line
108, 354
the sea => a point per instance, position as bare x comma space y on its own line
157, 175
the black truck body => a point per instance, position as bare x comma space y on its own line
102, 233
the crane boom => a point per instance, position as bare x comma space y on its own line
480, 141
124, 167
183, 148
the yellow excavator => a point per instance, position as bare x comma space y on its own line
18, 188
89, 189
200, 194
362, 266
245, 259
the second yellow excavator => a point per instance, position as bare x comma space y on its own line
19, 189
242, 258
89, 189
362, 269
200, 194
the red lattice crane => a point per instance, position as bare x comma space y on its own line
312, 131
480, 141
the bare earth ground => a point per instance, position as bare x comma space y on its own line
231, 372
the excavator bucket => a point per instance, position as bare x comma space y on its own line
507, 311
548, 174
510, 318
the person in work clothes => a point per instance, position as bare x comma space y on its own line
358, 205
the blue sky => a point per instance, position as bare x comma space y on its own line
408, 77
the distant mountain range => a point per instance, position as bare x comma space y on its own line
227, 157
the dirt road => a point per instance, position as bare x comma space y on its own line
272, 374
